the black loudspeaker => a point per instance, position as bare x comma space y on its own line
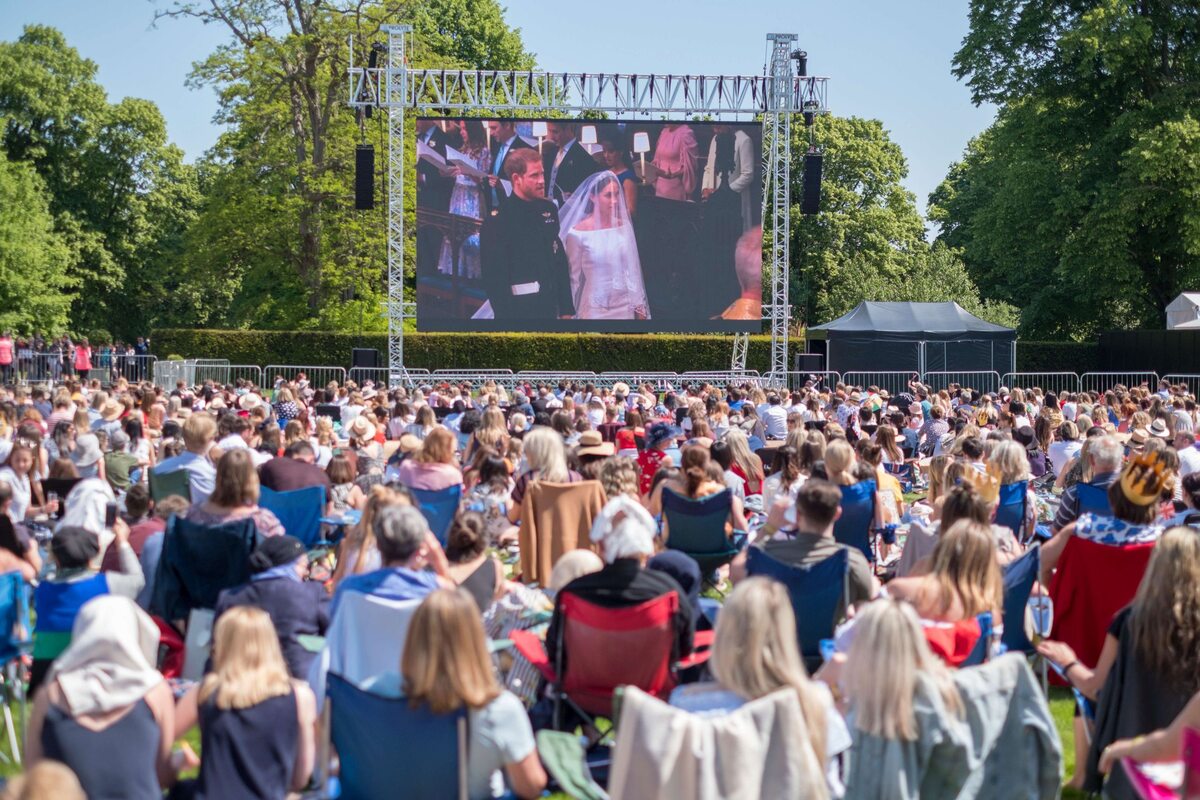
809, 362
365, 357
364, 177
811, 203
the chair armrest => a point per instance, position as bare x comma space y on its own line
701, 649
534, 651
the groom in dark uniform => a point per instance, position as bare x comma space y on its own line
523, 264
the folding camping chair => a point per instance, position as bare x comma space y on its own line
166, 484
299, 511
815, 591
1093, 499
386, 748
854, 526
439, 507
598, 641
696, 528
1010, 510
15, 642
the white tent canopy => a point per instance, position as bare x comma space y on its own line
1184, 311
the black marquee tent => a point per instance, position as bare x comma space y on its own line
914, 337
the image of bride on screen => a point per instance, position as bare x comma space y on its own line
597, 231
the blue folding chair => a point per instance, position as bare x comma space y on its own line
299, 511
697, 528
1019, 578
15, 642
439, 507
197, 562
982, 649
853, 528
816, 592
165, 484
1010, 511
388, 749
1093, 499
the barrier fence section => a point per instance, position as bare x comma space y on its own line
318, 377
821, 380
226, 374
894, 382
1103, 381
1057, 382
477, 378
727, 377
983, 381
1191, 381
377, 375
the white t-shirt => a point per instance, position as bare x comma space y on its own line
22, 494
1061, 453
1189, 461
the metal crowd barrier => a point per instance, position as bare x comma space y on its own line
827, 379
318, 376
983, 380
477, 378
723, 378
226, 374
1103, 381
1057, 382
1191, 381
661, 381
895, 382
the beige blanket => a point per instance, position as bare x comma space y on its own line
761, 750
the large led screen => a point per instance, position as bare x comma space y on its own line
588, 225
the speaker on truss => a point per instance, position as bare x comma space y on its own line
364, 177
811, 201
367, 357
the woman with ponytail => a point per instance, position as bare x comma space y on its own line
699, 477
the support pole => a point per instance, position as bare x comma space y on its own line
777, 134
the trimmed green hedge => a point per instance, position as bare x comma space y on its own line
1078, 357
556, 351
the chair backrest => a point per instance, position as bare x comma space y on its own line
331, 410
1093, 499
816, 591
1019, 577
697, 527
198, 561
1010, 511
596, 643
981, 652
858, 514
299, 511
15, 629
170, 483
555, 519
1092, 583
439, 506
387, 748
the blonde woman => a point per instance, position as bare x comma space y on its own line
892, 683
756, 653
964, 578
840, 462
358, 553
1011, 465
746, 465
235, 496
324, 441
446, 667
491, 432
546, 455
434, 467
257, 724
619, 476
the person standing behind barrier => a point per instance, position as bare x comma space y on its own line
6, 358
82, 358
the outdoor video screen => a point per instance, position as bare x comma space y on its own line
586, 225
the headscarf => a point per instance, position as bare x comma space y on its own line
85, 508
109, 664
624, 529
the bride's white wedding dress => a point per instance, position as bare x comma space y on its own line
604, 283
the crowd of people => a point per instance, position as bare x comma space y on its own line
923, 504
48, 358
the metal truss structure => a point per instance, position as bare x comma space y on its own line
774, 97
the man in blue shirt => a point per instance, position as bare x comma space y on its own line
414, 564
199, 430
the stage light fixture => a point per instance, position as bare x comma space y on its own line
539, 130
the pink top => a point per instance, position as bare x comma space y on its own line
431, 477
6, 350
676, 151
83, 358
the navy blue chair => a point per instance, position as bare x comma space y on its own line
197, 562
1010, 510
697, 528
816, 592
388, 749
1019, 577
1093, 499
299, 511
853, 528
980, 652
15, 641
439, 507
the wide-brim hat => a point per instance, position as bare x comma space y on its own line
362, 428
111, 411
409, 443
87, 450
217, 404
1138, 437
658, 433
1158, 429
592, 444
249, 402
622, 387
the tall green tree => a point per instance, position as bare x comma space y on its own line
1080, 203
277, 228
35, 290
868, 241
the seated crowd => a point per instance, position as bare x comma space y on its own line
846, 582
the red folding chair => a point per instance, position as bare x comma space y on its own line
1092, 583
601, 649
1147, 788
